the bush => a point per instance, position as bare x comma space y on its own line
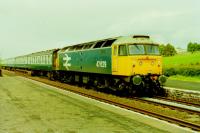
185, 71
170, 72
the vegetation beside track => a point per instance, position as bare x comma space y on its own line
185, 78
186, 64
187, 59
181, 84
183, 70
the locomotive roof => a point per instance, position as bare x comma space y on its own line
137, 39
92, 44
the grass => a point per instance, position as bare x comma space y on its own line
184, 59
185, 78
183, 84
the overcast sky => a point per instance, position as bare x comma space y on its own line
28, 26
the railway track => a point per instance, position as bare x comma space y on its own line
179, 101
125, 105
146, 112
165, 105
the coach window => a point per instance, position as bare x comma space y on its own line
37, 59
49, 59
46, 59
43, 59
122, 50
40, 59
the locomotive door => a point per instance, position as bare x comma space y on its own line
81, 61
115, 59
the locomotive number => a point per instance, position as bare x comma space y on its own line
101, 64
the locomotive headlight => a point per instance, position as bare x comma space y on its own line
158, 63
137, 80
162, 79
140, 63
152, 63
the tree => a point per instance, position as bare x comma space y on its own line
161, 49
167, 50
170, 50
192, 47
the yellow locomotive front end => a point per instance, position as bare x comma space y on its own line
137, 60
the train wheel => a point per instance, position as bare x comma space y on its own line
122, 88
132, 90
50, 75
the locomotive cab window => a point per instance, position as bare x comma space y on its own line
122, 50
143, 49
152, 49
135, 49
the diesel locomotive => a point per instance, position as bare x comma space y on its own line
127, 65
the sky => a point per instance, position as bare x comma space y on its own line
28, 26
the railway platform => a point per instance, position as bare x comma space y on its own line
29, 106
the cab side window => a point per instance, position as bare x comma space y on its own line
122, 50
115, 51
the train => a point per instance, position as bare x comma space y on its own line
124, 65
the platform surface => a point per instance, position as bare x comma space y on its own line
28, 106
